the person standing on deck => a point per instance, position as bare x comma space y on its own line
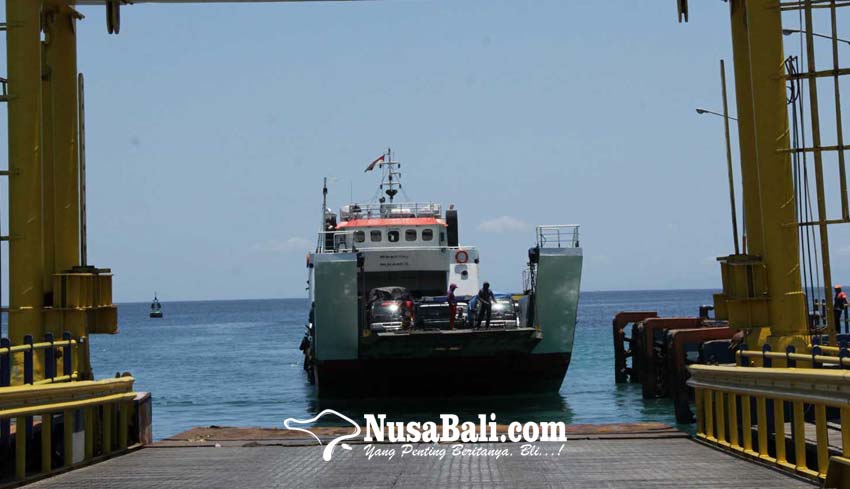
452, 306
485, 305
839, 306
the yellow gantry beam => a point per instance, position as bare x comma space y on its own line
763, 289
769, 112
61, 80
44, 181
26, 261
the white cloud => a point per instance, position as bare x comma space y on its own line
283, 246
503, 224
844, 251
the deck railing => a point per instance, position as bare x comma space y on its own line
558, 236
735, 403
41, 387
816, 357
376, 210
343, 241
105, 407
54, 355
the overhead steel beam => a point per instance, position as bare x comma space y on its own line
130, 2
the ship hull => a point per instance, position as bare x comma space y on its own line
462, 375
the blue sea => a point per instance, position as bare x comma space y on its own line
237, 363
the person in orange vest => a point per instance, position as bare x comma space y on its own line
839, 305
452, 306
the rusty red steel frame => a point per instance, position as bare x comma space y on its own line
622, 372
679, 342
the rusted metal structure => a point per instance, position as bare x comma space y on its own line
622, 372
661, 349
680, 343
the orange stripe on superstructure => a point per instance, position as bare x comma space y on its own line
404, 221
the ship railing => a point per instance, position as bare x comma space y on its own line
390, 210
104, 409
745, 410
558, 236
340, 241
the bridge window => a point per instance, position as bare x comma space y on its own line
376, 236
359, 236
393, 236
427, 234
410, 235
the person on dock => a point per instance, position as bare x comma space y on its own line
452, 305
839, 306
486, 298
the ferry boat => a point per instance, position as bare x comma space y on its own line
379, 322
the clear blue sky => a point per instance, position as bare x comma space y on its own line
210, 128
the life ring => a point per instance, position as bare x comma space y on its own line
461, 256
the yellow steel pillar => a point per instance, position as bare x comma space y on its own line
746, 131
780, 248
48, 152
61, 61
26, 291
762, 290
61, 171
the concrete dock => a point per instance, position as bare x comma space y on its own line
610, 456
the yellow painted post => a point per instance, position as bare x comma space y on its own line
747, 425
60, 153
61, 58
746, 129
47, 154
23, 54
761, 413
68, 436
46, 442
845, 432
822, 439
769, 107
698, 402
123, 416
88, 414
779, 432
709, 415
107, 428
719, 406
732, 415
767, 178
800, 437
21, 448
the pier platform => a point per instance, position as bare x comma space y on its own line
610, 456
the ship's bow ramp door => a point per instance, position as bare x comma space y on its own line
556, 298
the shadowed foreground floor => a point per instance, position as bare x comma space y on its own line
628, 460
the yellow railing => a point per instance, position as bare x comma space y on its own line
98, 402
57, 360
800, 359
733, 403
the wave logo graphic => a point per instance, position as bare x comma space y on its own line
329, 448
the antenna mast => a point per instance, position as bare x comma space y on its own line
391, 180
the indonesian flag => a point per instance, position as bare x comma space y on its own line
372, 165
